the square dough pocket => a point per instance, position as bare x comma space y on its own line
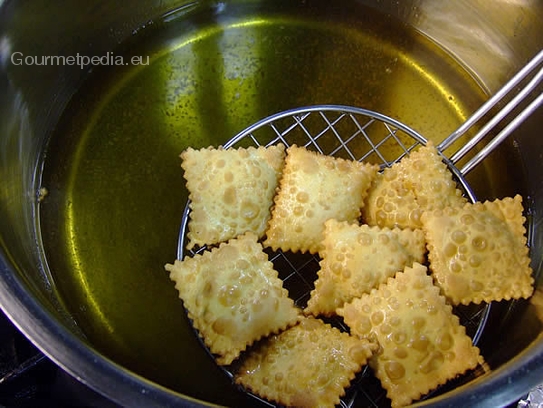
233, 296
357, 258
230, 190
421, 342
308, 365
313, 189
478, 252
417, 183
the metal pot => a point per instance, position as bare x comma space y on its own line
491, 40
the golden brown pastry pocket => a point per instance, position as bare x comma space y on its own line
308, 365
478, 252
313, 189
421, 342
230, 190
356, 259
233, 296
417, 183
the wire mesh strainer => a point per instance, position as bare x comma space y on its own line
363, 135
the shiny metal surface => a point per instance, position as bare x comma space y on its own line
519, 96
491, 39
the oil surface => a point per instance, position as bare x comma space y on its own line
116, 191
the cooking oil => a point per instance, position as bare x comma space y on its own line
116, 194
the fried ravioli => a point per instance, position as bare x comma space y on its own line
233, 296
417, 183
313, 189
308, 365
478, 252
231, 191
356, 259
421, 342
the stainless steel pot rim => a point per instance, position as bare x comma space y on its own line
77, 358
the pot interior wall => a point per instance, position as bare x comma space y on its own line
115, 193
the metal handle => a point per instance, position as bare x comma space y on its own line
522, 94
